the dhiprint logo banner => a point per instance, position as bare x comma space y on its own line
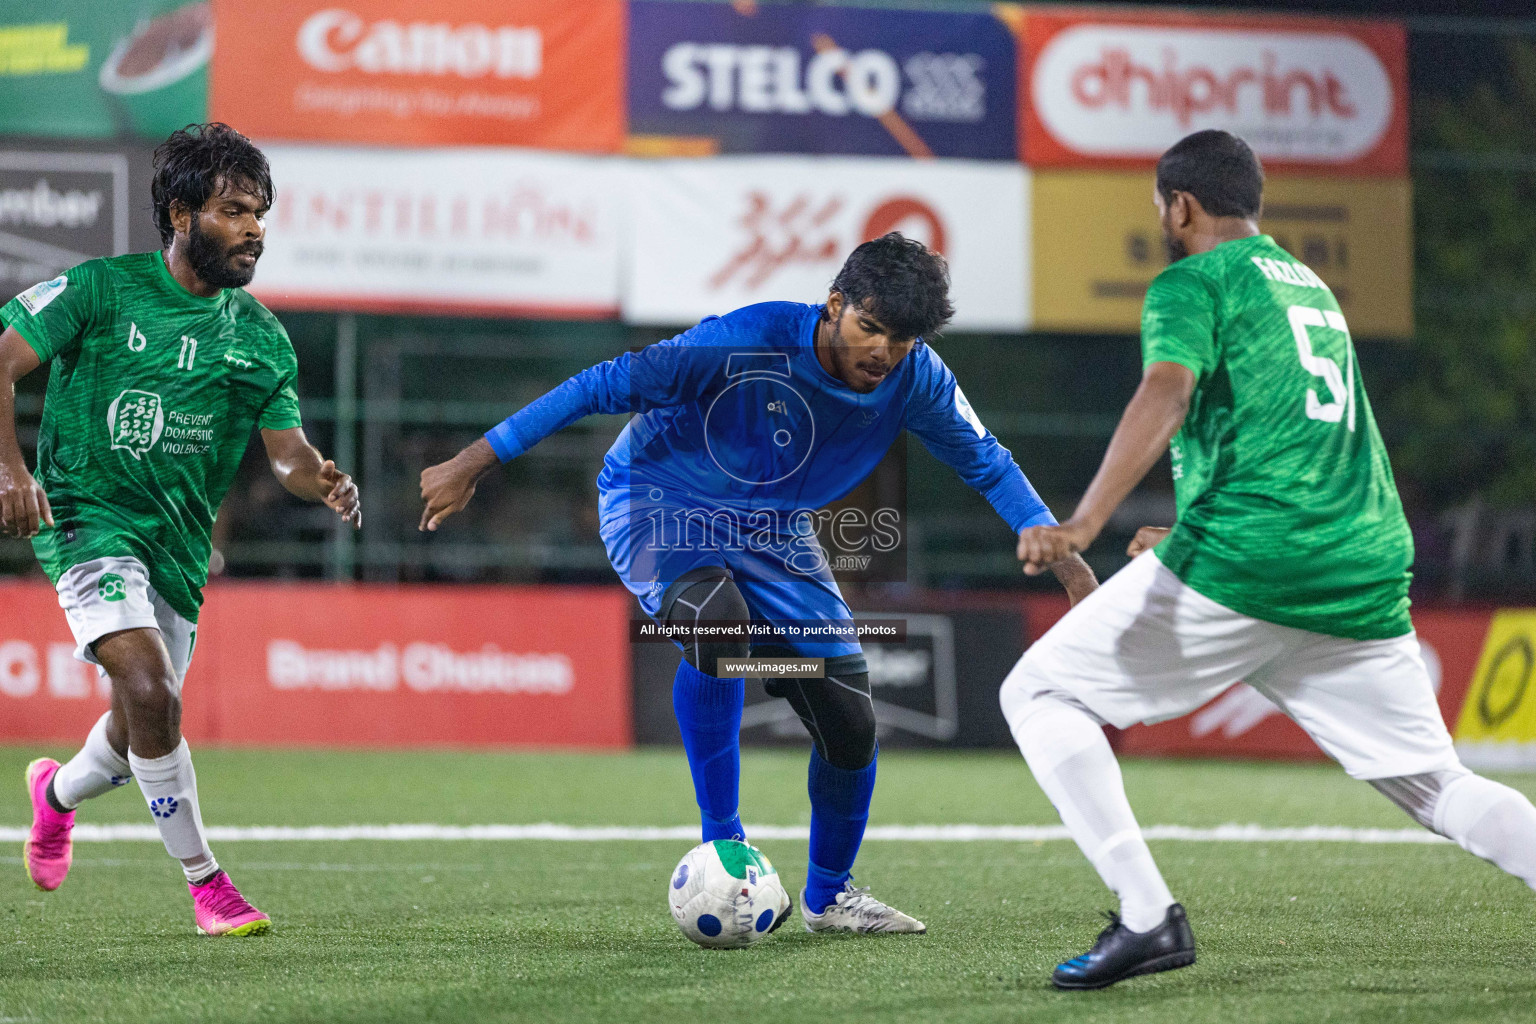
1301, 92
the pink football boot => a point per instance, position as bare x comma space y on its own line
48, 850
221, 910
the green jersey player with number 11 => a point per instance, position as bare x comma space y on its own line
1287, 567
161, 365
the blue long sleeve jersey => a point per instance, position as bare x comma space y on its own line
738, 413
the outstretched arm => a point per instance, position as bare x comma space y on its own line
23, 505
299, 467
943, 420
1151, 419
665, 374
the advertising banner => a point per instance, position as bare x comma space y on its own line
542, 73
767, 79
85, 68
317, 665
1244, 723
1097, 246
1497, 726
936, 688
1115, 87
710, 236
63, 202
489, 231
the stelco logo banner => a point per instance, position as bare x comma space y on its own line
1117, 89
710, 236
821, 80
541, 73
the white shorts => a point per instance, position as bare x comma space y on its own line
108, 595
1145, 647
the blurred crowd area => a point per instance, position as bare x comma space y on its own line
389, 395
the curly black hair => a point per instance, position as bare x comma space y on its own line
900, 282
1217, 168
197, 162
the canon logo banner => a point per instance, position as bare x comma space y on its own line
1309, 96
546, 74
337, 40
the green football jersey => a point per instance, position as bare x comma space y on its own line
1287, 510
151, 399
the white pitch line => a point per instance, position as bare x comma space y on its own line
86, 833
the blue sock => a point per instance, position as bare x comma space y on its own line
709, 712
839, 812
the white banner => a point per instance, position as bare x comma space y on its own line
460, 230
709, 236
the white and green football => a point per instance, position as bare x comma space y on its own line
726, 895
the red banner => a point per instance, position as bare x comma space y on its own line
311, 664
1115, 87
540, 73
1243, 723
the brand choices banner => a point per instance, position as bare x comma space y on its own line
497, 231
313, 664
544, 73
709, 236
767, 79
1117, 87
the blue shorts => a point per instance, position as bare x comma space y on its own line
774, 595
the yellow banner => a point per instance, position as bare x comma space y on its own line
1498, 722
1097, 246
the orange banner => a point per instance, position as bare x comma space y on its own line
539, 73
1114, 87
317, 665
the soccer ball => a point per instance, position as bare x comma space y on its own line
726, 895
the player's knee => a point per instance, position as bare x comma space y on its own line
709, 596
150, 698
1021, 691
848, 741
1420, 796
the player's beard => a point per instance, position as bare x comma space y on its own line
212, 262
1174, 248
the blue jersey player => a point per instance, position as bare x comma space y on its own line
747, 425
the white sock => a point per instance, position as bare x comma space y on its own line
96, 769
1492, 821
170, 786
1071, 760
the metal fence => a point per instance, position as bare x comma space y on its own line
386, 396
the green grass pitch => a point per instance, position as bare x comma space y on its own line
563, 931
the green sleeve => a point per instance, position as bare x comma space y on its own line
1178, 321
53, 316
281, 411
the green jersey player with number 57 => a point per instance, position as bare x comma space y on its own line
160, 366
1287, 567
